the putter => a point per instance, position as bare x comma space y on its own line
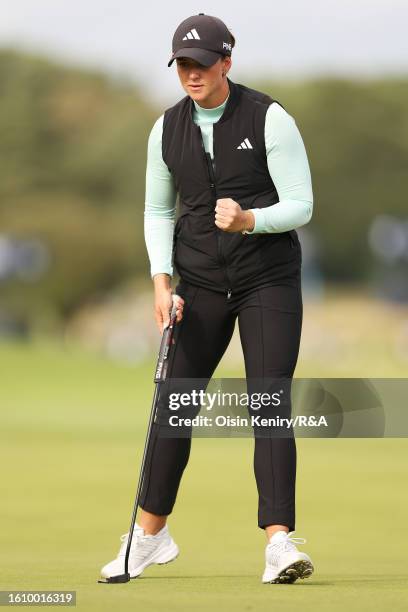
159, 377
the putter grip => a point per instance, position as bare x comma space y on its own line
167, 336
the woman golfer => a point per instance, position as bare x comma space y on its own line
237, 161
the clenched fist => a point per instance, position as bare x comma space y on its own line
230, 217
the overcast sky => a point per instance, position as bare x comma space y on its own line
285, 39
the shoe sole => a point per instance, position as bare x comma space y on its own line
298, 569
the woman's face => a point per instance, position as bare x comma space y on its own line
199, 82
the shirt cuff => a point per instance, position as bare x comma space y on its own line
168, 271
259, 222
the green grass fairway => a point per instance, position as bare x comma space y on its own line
72, 433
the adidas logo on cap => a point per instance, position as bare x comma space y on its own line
245, 144
191, 35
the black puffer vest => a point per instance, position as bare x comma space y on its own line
204, 254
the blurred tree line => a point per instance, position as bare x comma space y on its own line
356, 137
72, 173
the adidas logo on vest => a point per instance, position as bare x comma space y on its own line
245, 144
192, 34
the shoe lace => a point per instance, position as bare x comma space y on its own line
141, 546
285, 545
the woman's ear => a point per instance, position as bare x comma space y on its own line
226, 65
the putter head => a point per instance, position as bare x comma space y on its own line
115, 579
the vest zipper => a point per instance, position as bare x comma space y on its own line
214, 191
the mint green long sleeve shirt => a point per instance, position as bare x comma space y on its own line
288, 167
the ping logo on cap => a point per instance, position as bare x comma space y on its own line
227, 46
192, 34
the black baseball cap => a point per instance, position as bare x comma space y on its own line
203, 38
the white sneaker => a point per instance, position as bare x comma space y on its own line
284, 563
145, 550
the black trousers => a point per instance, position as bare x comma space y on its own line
270, 321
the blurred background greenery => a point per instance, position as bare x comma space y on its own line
72, 167
78, 341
